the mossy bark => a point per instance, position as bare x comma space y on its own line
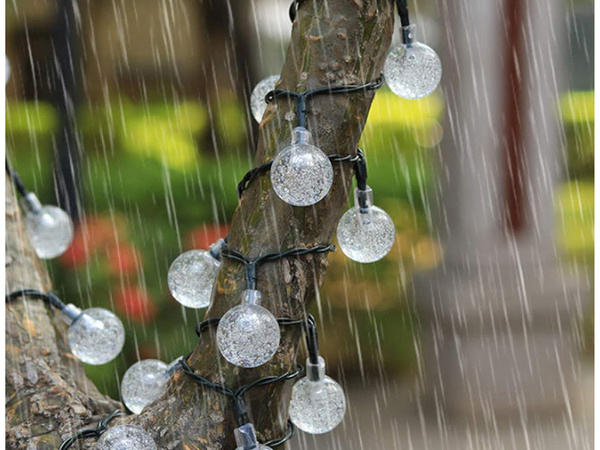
334, 42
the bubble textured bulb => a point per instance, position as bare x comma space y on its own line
50, 229
318, 403
413, 70
143, 383
258, 105
96, 336
125, 437
248, 335
301, 174
192, 276
245, 438
365, 233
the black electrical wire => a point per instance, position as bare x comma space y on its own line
290, 434
402, 6
302, 97
16, 180
90, 432
34, 294
294, 9
250, 264
252, 174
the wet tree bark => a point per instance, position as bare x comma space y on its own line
334, 42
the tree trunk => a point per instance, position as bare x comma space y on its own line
333, 42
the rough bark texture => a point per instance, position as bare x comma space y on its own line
333, 42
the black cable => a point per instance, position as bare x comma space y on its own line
302, 97
290, 434
16, 180
294, 9
236, 395
402, 6
34, 294
263, 168
250, 264
90, 432
312, 340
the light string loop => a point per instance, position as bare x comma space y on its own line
90, 432
51, 298
237, 395
252, 174
302, 97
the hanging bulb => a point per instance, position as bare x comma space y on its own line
245, 438
413, 70
301, 174
258, 105
50, 229
365, 232
318, 403
145, 381
125, 437
96, 336
248, 335
193, 274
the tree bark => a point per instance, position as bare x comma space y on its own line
334, 42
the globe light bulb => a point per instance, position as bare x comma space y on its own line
125, 437
258, 105
365, 233
145, 381
413, 70
192, 276
50, 229
96, 336
248, 335
301, 174
245, 438
318, 403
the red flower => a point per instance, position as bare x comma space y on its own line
205, 235
135, 303
123, 259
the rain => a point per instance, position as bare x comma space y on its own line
463, 320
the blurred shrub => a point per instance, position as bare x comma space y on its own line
577, 109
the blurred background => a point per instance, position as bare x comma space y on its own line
134, 116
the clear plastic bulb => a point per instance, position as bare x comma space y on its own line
318, 403
258, 105
301, 173
125, 437
192, 276
365, 233
248, 335
50, 229
413, 70
245, 438
96, 335
144, 382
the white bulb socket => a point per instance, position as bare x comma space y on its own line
245, 438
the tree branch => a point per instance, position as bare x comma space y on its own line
334, 42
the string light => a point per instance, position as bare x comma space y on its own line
245, 438
192, 275
125, 437
145, 381
258, 105
413, 70
301, 174
96, 336
49, 228
365, 233
318, 403
248, 335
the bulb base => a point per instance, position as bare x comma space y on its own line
215, 249
301, 135
409, 34
363, 199
173, 367
245, 437
315, 372
31, 203
251, 297
71, 313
